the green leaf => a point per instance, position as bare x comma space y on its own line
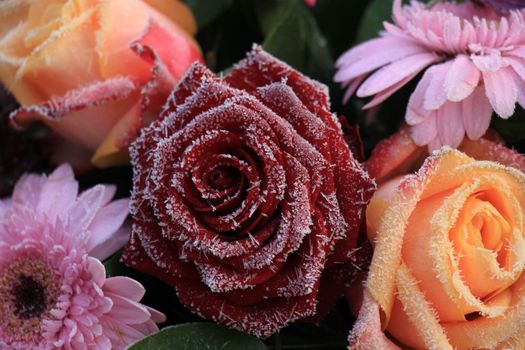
206, 11
291, 33
195, 336
282, 25
376, 13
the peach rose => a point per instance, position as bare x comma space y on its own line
95, 71
449, 250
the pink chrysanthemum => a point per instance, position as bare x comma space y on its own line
53, 289
477, 65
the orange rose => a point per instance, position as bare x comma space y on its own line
95, 71
449, 251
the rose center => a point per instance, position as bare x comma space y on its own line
29, 297
492, 227
224, 177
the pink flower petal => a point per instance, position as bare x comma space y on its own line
435, 95
520, 84
461, 79
27, 190
124, 286
450, 124
58, 193
156, 316
383, 95
518, 51
85, 208
353, 87
476, 113
425, 131
112, 244
501, 91
127, 311
97, 270
488, 63
376, 56
416, 113
394, 73
518, 65
106, 223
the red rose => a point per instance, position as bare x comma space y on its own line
244, 193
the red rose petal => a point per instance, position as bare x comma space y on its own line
352, 137
260, 69
261, 320
242, 186
294, 225
354, 187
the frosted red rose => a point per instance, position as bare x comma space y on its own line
245, 192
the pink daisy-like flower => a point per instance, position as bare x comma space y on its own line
477, 66
54, 293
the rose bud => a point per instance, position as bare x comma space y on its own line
94, 71
245, 192
449, 248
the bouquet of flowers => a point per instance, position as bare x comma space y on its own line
262, 174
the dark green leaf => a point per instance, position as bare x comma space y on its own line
376, 13
291, 34
196, 336
282, 25
206, 11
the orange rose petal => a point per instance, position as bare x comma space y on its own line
156, 46
377, 206
178, 12
387, 255
402, 329
367, 333
487, 265
418, 248
445, 262
120, 28
43, 18
490, 332
515, 342
50, 67
114, 148
85, 115
395, 156
436, 207
12, 12
12, 56
420, 312
74, 8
